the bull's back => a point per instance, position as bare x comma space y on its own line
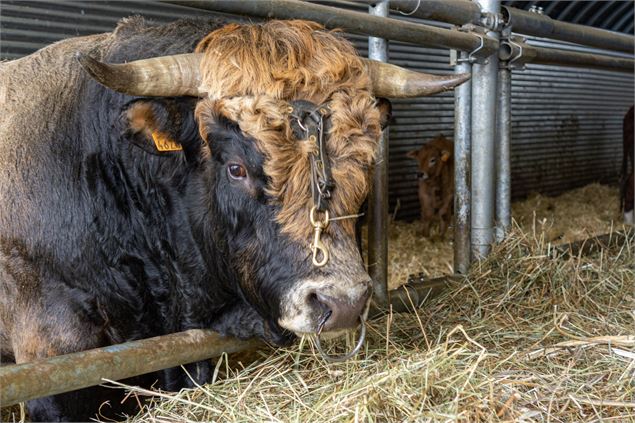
40, 142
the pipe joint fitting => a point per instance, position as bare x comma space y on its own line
493, 21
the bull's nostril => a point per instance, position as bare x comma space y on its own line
312, 298
340, 313
323, 320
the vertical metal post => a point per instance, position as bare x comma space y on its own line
462, 164
378, 201
503, 156
483, 146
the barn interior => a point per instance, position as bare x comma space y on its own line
536, 339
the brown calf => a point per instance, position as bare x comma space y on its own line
436, 182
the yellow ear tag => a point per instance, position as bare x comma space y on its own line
163, 143
445, 157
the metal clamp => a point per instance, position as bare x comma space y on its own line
537, 10
470, 57
318, 246
493, 21
518, 56
513, 54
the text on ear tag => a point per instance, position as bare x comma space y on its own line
163, 143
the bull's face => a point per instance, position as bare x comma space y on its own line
255, 198
263, 182
268, 238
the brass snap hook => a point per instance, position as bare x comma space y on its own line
318, 247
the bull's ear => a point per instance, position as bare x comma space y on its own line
164, 126
385, 112
413, 154
445, 155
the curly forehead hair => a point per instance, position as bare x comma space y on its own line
254, 71
282, 59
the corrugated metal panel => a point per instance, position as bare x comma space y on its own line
566, 125
607, 14
566, 122
26, 26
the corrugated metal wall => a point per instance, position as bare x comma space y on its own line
566, 122
566, 125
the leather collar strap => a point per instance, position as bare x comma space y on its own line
310, 122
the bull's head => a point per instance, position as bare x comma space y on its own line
256, 83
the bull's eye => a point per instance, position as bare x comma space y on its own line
236, 171
433, 161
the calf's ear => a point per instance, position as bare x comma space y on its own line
385, 112
413, 154
164, 126
445, 155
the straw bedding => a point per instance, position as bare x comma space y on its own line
574, 215
527, 336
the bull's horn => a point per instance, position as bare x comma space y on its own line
392, 81
167, 76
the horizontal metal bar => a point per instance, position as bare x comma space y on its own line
460, 12
530, 23
457, 12
409, 297
595, 244
350, 21
554, 56
69, 372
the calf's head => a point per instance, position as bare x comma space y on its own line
432, 157
254, 172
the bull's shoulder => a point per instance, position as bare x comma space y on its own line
137, 38
48, 75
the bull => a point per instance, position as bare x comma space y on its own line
163, 178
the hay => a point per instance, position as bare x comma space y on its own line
575, 215
525, 337
578, 214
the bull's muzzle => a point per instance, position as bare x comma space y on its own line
325, 305
339, 314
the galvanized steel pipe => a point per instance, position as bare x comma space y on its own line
457, 12
378, 198
407, 298
460, 12
503, 153
552, 56
462, 164
484, 86
529, 23
350, 21
70, 372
